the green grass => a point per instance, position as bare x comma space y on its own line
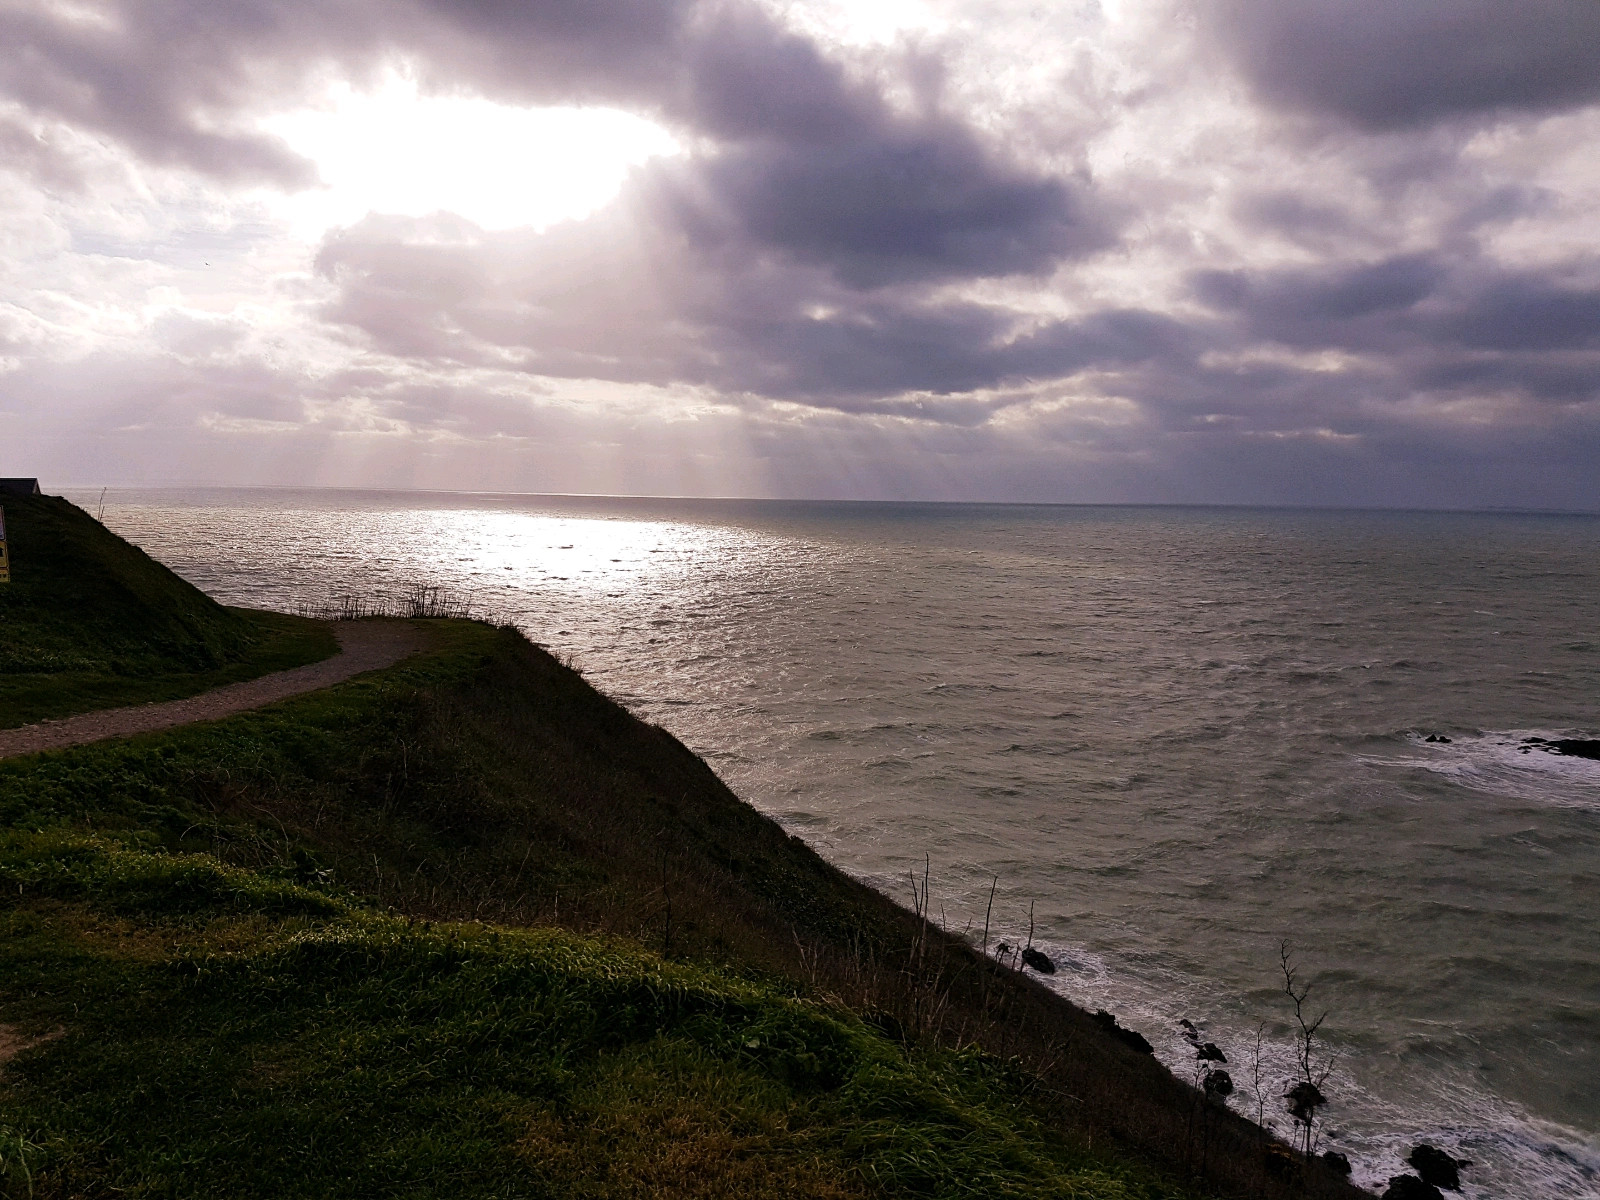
278, 643
83, 599
89, 621
209, 1031
435, 784
256, 939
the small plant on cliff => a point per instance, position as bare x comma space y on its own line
1211, 1083
1313, 1066
16, 1151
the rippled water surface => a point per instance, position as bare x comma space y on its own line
1179, 735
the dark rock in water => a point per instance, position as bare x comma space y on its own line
1130, 1038
1577, 747
1437, 1167
1437, 737
1189, 1031
1003, 949
1336, 1162
1210, 1053
1574, 747
1038, 960
1218, 1083
1409, 1187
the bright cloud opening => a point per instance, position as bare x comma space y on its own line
398, 152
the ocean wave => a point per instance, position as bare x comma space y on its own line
1514, 1155
1505, 763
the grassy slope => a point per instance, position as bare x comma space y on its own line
90, 621
231, 1035
227, 1030
258, 939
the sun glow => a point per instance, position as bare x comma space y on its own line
399, 152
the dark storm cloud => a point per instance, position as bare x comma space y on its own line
820, 167
1526, 312
1386, 66
1553, 380
887, 349
883, 205
817, 166
1437, 299
631, 303
1298, 217
625, 298
1422, 326
1348, 306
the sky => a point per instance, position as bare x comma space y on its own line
1323, 252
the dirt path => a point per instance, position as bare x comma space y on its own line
363, 646
13, 1042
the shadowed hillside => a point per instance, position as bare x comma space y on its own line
89, 621
83, 599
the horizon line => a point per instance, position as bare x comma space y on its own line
1488, 510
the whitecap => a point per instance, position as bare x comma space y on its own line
1505, 763
1514, 1155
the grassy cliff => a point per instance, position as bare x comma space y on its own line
466, 926
90, 621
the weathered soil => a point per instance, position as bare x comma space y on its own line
13, 1042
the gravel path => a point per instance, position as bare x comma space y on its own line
363, 646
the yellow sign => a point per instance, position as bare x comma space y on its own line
5, 554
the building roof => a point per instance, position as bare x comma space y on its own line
22, 487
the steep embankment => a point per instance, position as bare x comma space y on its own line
251, 954
89, 621
251, 958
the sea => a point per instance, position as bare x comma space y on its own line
1170, 741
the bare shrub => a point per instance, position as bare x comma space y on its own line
1304, 1095
420, 600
